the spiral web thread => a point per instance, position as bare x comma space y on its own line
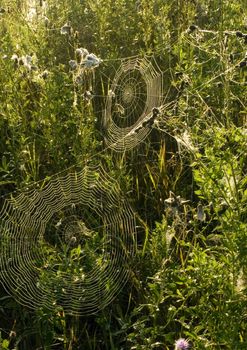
68, 245
136, 89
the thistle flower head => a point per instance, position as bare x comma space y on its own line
91, 61
73, 64
14, 58
81, 52
44, 74
182, 344
26, 61
66, 29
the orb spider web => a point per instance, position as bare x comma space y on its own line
135, 90
69, 245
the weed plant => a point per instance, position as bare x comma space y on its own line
186, 182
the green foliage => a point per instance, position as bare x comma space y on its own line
189, 274
4, 343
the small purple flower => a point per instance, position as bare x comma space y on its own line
182, 344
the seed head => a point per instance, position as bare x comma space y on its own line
91, 61
81, 52
73, 64
66, 29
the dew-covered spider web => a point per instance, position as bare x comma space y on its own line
136, 89
68, 245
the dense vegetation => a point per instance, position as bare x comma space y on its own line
186, 182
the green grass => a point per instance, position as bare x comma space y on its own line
188, 277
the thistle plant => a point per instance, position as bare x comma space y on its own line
182, 344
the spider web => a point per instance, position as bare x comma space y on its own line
136, 89
68, 245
